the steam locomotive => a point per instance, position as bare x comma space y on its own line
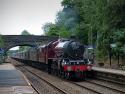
64, 57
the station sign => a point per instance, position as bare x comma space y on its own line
113, 45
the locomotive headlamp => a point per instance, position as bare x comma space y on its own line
64, 63
78, 63
89, 68
69, 68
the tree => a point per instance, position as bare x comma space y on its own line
50, 29
55, 30
1, 41
99, 19
119, 40
64, 33
23, 48
47, 27
94, 22
25, 32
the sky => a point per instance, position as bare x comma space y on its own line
30, 15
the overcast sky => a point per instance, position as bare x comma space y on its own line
17, 15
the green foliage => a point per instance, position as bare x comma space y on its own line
23, 48
47, 27
119, 39
50, 29
82, 33
99, 22
25, 32
1, 41
94, 22
55, 30
63, 32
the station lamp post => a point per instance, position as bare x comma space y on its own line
92, 53
113, 45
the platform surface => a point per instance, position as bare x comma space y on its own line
12, 81
113, 71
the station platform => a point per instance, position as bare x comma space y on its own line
12, 81
112, 71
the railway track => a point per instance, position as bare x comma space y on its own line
109, 80
86, 88
35, 88
110, 77
78, 84
46, 81
82, 86
102, 89
59, 89
106, 86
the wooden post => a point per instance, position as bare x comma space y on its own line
110, 56
118, 57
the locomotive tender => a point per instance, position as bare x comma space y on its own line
63, 57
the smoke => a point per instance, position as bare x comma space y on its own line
71, 18
68, 18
